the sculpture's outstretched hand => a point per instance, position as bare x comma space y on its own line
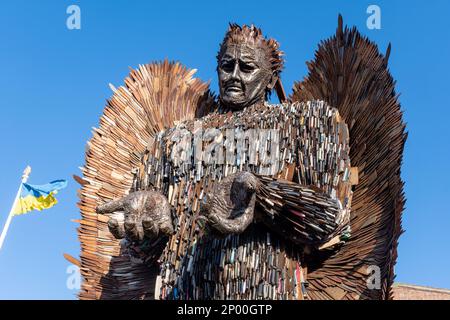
229, 208
147, 214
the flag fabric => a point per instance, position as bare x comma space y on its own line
38, 197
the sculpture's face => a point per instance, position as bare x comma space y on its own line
244, 76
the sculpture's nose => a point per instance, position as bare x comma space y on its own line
236, 74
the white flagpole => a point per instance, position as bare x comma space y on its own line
25, 175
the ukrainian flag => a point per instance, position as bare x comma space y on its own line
34, 197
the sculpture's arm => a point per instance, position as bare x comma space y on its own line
309, 200
303, 214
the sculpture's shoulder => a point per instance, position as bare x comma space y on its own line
266, 115
312, 108
310, 118
296, 113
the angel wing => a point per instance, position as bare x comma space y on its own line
349, 73
154, 97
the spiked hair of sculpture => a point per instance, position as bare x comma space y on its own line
253, 36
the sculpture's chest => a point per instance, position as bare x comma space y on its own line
184, 163
262, 140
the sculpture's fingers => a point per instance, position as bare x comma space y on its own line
165, 220
139, 229
157, 216
224, 225
243, 187
242, 219
230, 226
201, 220
205, 206
215, 221
245, 219
116, 228
110, 206
131, 228
218, 205
150, 228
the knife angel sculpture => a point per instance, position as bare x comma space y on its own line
190, 196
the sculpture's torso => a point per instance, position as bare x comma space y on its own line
299, 144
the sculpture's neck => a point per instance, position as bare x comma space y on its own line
226, 108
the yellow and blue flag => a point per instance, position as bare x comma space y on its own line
38, 197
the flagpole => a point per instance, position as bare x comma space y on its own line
25, 176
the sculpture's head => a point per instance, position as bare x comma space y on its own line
248, 66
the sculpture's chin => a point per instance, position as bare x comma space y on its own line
239, 103
238, 100
233, 103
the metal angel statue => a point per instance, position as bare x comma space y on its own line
189, 196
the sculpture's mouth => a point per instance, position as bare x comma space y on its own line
234, 88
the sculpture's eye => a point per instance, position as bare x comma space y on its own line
227, 65
247, 67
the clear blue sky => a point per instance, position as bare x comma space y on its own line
54, 83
